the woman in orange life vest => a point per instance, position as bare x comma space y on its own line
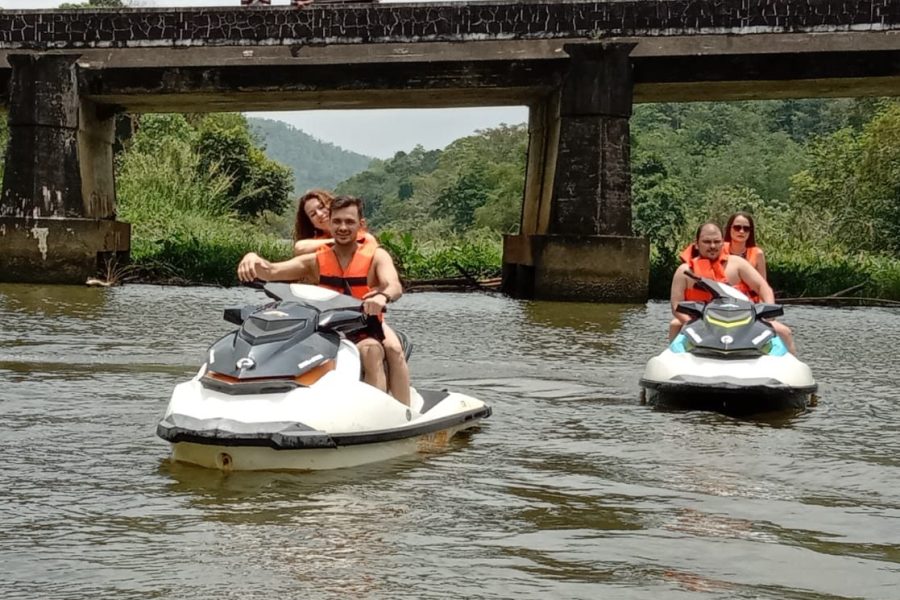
740, 235
311, 233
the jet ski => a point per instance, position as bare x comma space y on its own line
729, 359
283, 392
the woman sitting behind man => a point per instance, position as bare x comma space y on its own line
740, 235
311, 233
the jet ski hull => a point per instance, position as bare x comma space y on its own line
310, 428
733, 386
258, 458
283, 392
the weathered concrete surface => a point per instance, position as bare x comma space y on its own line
57, 202
579, 245
540, 165
356, 23
42, 175
59, 161
254, 87
592, 192
580, 268
62, 250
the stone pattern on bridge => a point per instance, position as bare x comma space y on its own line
370, 23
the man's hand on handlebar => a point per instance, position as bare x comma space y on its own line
374, 302
252, 267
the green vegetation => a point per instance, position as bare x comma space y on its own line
441, 212
821, 178
315, 164
187, 189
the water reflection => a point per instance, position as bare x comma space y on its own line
81, 302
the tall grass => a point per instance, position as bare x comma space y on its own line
477, 254
184, 228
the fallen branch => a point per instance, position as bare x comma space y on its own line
840, 301
849, 290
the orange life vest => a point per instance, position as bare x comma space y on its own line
354, 280
751, 255
711, 269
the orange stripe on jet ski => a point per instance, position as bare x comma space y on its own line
316, 373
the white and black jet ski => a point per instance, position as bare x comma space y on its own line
284, 392
729, 359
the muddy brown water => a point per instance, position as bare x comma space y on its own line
571, 490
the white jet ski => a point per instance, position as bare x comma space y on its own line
283, 392
729, 359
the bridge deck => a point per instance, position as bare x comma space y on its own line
362, 55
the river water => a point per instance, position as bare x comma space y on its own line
572, 489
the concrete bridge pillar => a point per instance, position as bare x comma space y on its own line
57, 203
575, 240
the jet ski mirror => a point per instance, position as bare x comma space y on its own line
769, 311
691, 309
239, 314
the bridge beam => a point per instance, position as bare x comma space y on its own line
575, 241
57, 203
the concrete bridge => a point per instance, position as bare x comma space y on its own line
579, 66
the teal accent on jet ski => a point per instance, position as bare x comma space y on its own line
678, 344
775, 347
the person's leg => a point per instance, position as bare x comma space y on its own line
674, 328
371, 354
398, 370
785, 333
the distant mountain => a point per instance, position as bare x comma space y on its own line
316, 164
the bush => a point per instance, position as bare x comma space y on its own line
479, 254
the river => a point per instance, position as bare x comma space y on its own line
572, 489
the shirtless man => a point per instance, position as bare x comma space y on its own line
730, 269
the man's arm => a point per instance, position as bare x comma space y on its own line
300, 269
752, 278
387, 286
679, 285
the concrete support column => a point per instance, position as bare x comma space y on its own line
580, 246
57, 203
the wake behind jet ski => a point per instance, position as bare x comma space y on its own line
284, 392
728, 358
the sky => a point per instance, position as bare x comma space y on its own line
378, 133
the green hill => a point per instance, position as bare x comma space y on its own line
315, 163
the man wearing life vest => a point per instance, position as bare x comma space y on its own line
352, 265
707, 258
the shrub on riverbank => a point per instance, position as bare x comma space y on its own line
806, 274
182, 210
477, 255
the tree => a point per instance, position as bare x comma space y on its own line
459, 201
258, 184
658, 203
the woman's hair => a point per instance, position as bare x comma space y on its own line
303, 227
751, 239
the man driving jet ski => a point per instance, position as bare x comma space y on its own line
356, 267
711, 262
